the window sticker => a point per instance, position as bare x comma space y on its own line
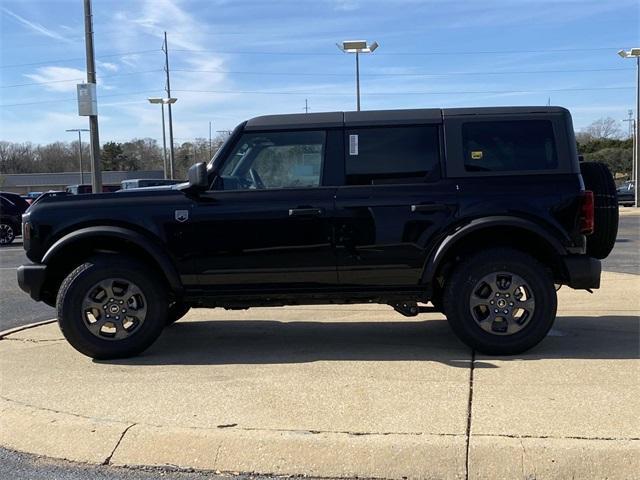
353, 144
476, 155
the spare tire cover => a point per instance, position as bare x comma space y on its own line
597, 178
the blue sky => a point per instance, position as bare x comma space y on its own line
234, 59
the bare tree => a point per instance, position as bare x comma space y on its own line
604, 128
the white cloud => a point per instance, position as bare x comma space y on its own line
58, 79
34, 26
111, 67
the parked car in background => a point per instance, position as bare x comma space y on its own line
86, 188
12, 206
627, 194
31, 196
147, 182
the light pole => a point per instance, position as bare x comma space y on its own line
79, 130
357, 47
162, 102
635, 53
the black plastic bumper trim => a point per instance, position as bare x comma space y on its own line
31, 278
583, 272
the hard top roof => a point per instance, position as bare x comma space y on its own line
382, 117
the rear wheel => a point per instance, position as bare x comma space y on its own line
500, 302
599, 180
111, 307
7, 233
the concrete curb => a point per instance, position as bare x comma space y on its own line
315, 454
13, 330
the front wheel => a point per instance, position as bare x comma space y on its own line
111, 307
7, 233
500, 302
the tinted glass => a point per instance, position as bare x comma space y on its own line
275, 160
508, 146
391, 154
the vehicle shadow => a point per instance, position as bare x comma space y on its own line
272, 342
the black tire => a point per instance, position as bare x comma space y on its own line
7, 233
470, 273
599, 180
75, 290
176, 311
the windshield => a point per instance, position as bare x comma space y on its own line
222, 147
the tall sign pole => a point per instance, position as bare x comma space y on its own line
96, 170
168, 89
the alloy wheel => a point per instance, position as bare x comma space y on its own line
114, 309
502, 303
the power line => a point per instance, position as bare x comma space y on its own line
80, 79
390, 74
465, 52
75, 59
316, 74
337, 94
478, 92
74, 99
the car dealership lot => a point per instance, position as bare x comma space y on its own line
340, 391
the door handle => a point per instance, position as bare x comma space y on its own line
305, 212
428, 207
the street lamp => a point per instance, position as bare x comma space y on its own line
79, 130
357, 47
163, 102
635, 53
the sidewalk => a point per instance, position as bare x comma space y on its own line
341, 391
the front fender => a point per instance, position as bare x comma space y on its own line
159, 255
440, 252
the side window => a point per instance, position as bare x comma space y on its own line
509, 146
272, 160
387, 155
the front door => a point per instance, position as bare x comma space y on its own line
266, 225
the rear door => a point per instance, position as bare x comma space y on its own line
393, 204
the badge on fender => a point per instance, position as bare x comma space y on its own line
182, 215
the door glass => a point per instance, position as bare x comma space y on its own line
384, 155
272, 160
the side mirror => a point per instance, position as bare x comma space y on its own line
198, 176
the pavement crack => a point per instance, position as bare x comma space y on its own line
469, 413
124, 432
32, 340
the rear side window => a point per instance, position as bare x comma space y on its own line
509, 146
388, 155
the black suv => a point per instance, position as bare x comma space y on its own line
483, 212
12, 206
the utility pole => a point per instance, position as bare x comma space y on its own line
306, 106
79, 130
96, 169
210, 149
630, 121
165, 48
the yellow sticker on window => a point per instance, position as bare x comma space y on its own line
476, 155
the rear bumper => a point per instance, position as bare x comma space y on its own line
583, 272
31, 279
